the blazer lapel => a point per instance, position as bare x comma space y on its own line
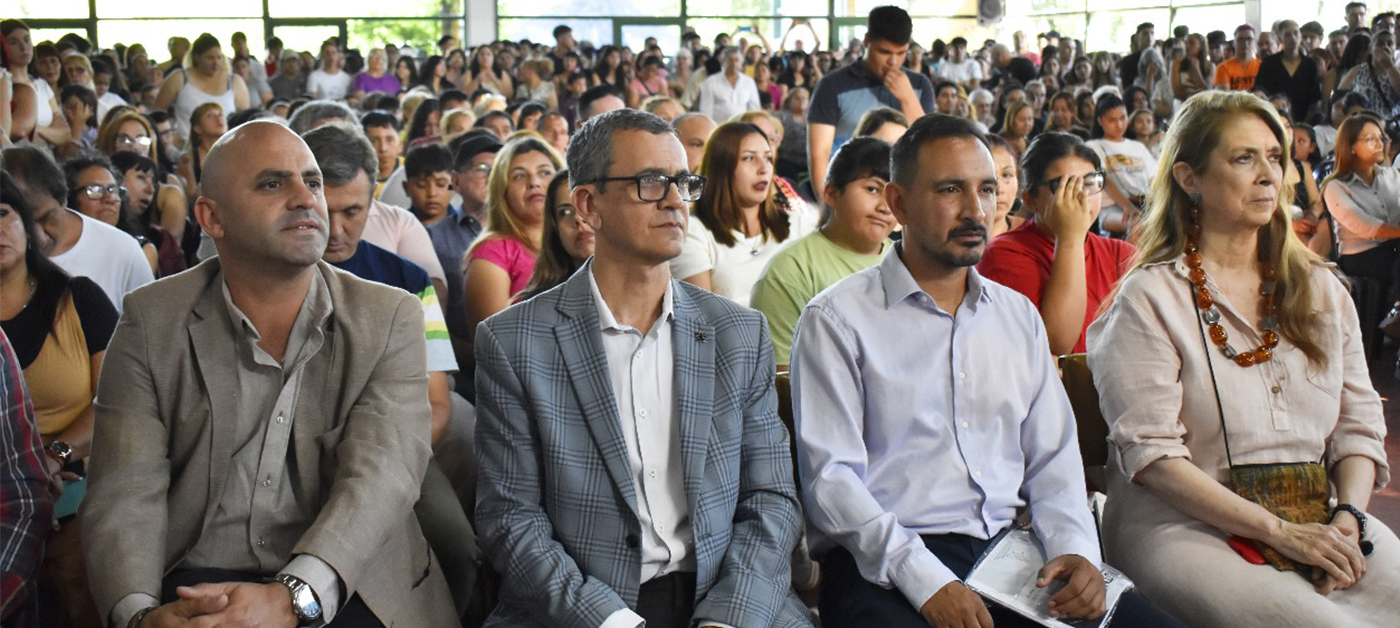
694, 381
211, 334
581, 345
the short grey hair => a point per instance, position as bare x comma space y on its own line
590, 153
343, 152
310, 114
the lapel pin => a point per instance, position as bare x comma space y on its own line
701, 336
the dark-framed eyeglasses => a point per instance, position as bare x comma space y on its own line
96, 192
140, 140
653, 187
1093, 183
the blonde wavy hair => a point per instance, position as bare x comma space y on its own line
1161, 237
501, 220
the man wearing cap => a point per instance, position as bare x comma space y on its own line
451, 236
288, 84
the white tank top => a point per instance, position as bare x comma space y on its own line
42, 95
191, 97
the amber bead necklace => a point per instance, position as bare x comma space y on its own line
1268, 318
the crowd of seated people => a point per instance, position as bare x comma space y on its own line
494, 335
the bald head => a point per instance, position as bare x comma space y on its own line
263, 201
234, 151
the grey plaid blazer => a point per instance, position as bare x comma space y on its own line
556, 505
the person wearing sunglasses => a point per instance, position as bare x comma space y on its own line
95, 190
739, 221
625, 381
132, 133
1054, 259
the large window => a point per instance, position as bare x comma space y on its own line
302, 24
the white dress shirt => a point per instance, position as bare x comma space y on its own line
642, 372
912, 420
722, 101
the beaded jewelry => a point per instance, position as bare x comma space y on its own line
1268, 318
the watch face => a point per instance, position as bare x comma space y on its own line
306, 603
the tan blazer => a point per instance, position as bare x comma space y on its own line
163, 442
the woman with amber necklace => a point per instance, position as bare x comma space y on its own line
1229, 345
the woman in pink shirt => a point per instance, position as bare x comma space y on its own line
499, 263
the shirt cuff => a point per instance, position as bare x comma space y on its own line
129, 606
920, 576
624, 618
704, 623
322, 579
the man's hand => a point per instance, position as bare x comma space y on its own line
249, 605
898, 83
956, 606
191, 604
1084, 593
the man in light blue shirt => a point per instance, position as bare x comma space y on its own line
929, 412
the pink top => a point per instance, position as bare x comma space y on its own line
512, 256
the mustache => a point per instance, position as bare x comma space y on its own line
312, 216
969, 228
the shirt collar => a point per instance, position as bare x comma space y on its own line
306, 330
606, 320
900, 285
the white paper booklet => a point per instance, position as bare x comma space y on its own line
1006, 574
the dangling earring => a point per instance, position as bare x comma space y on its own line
1196, 204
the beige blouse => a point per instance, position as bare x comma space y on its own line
1149, 360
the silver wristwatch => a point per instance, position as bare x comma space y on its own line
305, 605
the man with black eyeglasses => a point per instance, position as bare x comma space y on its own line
633, 468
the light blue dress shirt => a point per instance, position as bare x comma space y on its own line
912, 420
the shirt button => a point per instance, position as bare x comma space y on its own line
979, 474
962, 375
1277, 390
964, 424
637, 355
652, 473
267, 482
642, 413
262, 542
281, 419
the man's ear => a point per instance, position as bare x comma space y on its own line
894, 198
585, 200
206, 212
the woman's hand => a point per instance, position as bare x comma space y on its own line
1068, 216
1335, 552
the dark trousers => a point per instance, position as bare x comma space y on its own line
848, 600
668, 601
352, 614
1377, 263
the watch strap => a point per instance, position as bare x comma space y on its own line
297, 587
1355, 512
